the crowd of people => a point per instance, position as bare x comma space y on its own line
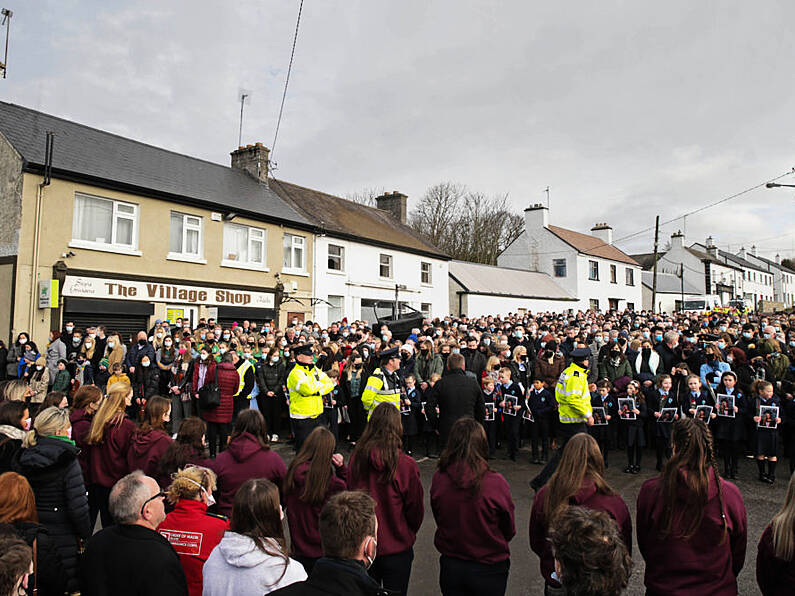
166, 439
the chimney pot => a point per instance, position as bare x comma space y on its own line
252, 159
258, 144
396, 203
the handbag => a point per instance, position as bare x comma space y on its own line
209, 396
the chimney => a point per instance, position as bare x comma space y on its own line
753, 249
712, 250
252, 159
741, 253
395, 203
603, 232
677, 240
778, 259
536, 217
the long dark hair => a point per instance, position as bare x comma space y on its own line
256, 514
384, 434
156, 408
317, 449
467, 444
694, 453
187, 445
252, 422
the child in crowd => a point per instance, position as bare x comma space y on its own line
63, 379
491, 397
730, 429
541, 403
660, 398
696, 396
409, 409
512, 402
766, 434
331, 404
633, 429
118, 376
603, 398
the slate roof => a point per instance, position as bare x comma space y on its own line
705, 256
772, 263
646, 260
725, 258
477, 278
113, 161
591, 245
668, 283
337, 216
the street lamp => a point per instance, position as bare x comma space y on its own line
777, 185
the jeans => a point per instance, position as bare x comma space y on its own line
217, 433
393, 571
458, 577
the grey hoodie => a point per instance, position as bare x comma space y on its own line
236, 567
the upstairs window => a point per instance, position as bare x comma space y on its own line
244, 246
294, 252
104, 223
613, 274
336, 258
425, 273
385, 266
593, 270
630, 273
186, 232
559, 266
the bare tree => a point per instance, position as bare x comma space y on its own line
436, 212
366, 196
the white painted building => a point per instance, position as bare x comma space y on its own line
588, 267
480, 290
783, 277
671, 290
365, 253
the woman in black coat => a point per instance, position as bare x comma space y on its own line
271, 376
48, 460
13, 415
146, 384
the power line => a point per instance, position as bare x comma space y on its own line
287, 80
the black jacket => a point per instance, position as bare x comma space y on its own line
336, 577
50, 573
129, 560
474, 361
271, 377
54, 474
146, 382
457, 395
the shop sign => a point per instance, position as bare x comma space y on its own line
116, 289
48, 293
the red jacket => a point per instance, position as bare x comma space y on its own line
108, 460
705, 564
245, 458
228, 382
400, 504
776, 577
146, 449
303, 517
81, 424
472, 527
193, 533
587, 497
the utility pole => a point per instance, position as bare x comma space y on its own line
243, 97
547, 191
682, 286
654, 279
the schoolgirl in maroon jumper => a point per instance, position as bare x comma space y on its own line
775, 557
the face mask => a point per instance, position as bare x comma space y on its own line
365, 353
246, 355
368, 557
283, 342
92, 335
222, 350
142, 342
266, 329
39, 367
203, 336
792, 343
203, 356
658, 337
274, 359
111, 344
159, 335
722, 345
456, 351
145, 363
226, 336
766, 335
543, 344
69, 328
486, 342
167, 343
518, 334
748, 335
88, 345
22, 341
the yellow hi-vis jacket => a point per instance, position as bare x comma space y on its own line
307, 385
242, 367
380, 389
573, 396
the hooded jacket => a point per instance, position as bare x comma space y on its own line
146, 449
400, 504
707, 563
474, 527
10, 442
245, 458
587, 497
108, 460
774, 576
336, 577
54, 475
237, 567
81, 424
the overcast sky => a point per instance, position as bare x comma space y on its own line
626, 110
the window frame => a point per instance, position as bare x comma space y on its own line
565, 267
428, 314
429, 272
248, 263
340, 257
197, 257
613, 273
330, 306
112, 246
293, 238
629, 276
390, 263
593, 270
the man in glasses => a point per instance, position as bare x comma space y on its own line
131, 558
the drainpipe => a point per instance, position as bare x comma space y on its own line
48, 145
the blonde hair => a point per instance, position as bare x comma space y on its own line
189, 482
517, 352
492, 362
15, 390
111, 410
783, 525
47, 424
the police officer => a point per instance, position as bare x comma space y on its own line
383, 385
574, 408
307, 385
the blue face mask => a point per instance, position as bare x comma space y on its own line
748, 335
658, 337
766, 336
792, 343
722, 345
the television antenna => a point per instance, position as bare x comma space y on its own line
245, 97
7, 14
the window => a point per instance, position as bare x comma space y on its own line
613, 274
186, 233
103, 223
336, 257
630, 273
594, 302
336, 306
425, 273
593, 270
559, 265
244, 246
294, 252
427, 310
631, 305
385, 266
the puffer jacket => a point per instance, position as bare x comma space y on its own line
50, 572
228, 381
271, 377
10, 443
52, 469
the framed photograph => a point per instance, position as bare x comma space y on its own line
599, 417
489, 411
404, 409
703, 413
510, 402
725, 405
767, 416
626, 408
327, 400
667, 415
528, 415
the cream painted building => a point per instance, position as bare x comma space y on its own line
132, 233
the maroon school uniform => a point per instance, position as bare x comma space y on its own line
146, 449
303, 517
108, 460
81, 424
472, 527
245, 458
705, 564
775, 577
400, 507
587, 497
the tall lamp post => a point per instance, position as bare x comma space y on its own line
777, 185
